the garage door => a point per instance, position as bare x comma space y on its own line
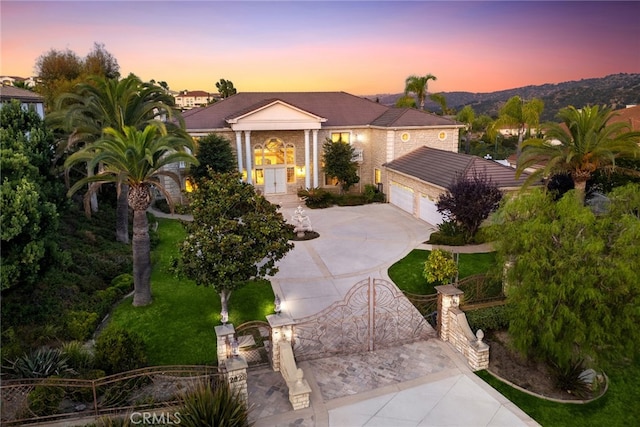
429, 212
402, 197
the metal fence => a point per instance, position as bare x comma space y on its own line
26, 401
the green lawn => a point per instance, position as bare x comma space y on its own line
618, 407
178, 327
407, 273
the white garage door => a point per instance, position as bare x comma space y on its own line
402, 197
429, 211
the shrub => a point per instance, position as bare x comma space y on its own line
78, 357
41, 363
488, 319
119, 350
372, 195
213, 405
569, 378
45, 400
316, 198
80, 324
439, 267
449, 233
350, 200
123, 282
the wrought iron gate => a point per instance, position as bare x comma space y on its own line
374, 314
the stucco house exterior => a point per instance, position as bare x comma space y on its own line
417, 179
277, 137
186, 100
27, 98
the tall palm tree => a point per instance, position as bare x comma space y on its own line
101, 102
583, 143
521, 114
135, 158
419, 86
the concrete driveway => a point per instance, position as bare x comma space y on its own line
355, 243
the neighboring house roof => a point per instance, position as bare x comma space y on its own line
338, 108
12, 92
442, 168
630, 115
194, 93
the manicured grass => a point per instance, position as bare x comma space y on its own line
178, 327
618, 407
407, 273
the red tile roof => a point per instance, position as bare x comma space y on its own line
339, 108
441, 168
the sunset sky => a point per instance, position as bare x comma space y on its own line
361, 47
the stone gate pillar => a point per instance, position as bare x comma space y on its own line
281, 330
448, 298
236, 376
224, 336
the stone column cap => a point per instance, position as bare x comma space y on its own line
281, 319
222, 330
448, 290
235, 363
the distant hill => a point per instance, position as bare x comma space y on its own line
615, 90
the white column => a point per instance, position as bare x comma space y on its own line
247, 146
315, 158
239, 149
307, 170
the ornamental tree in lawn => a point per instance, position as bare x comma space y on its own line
236, 235
339, 164
469, 201
574, 280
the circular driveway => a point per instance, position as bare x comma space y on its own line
355, 243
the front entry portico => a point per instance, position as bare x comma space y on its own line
271, 162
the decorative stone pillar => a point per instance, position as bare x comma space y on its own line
248, 154
307, 164
224, 335
236, 376
239, 150
316, 163
281, 330
448, 298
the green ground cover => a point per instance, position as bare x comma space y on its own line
178, 327
618, 407
407, 273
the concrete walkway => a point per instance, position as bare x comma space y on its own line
418, 384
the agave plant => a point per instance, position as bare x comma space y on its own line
41, 363
213, 404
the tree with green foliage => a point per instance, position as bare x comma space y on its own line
573, 281
236, 235
135, 158
29, 195
225, 88
418, 85
440, 99
58, 71
213, 151
467, 116
406, 101
440, 267
469, 201
521, 115
338, 163
582, 144
99, 103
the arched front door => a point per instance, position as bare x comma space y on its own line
275, 165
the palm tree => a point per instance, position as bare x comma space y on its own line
583, 143
135, 158
226, 89
101, 102
418, 85
521, 114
